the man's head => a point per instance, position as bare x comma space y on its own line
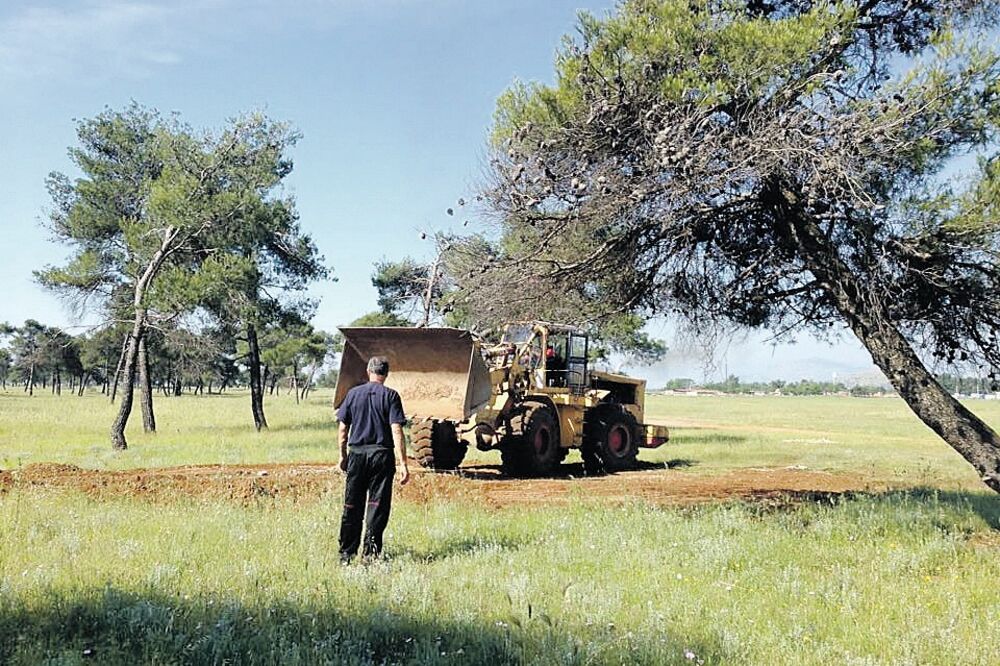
378, 368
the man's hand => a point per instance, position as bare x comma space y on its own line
342, 440
400, 441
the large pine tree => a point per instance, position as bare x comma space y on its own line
770, 164
175, 218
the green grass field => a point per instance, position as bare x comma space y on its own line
876, 438
909, 576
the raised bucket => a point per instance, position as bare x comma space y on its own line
438, 372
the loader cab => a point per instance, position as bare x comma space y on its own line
527, 345
553, 355
566, 359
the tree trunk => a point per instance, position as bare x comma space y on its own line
950, 419
893, 354
128, 383
134, 338
31, 379
295, 381
145, 388
118, 370
428, 303
309, 381
268, 379
256, 382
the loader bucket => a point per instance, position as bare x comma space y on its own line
438, 372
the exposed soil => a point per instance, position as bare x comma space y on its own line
481, 484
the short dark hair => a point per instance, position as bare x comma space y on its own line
378, 365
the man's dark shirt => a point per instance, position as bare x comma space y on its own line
369, 410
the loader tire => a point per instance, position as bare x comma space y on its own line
611, 437
532, 448
436, 444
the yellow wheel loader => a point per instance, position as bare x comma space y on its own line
532, 396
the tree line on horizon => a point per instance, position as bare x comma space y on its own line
35, 356
956, 384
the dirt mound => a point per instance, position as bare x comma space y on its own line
242, 483
482, 484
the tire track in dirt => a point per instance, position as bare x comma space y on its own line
481, 484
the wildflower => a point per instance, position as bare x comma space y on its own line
689, 655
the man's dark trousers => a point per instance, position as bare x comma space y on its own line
368, 494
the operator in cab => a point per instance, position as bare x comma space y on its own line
555, 367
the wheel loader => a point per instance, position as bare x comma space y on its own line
532, 396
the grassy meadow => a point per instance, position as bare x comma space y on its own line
905, 576
191, 430
873, 438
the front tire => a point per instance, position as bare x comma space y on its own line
436, 444
611, 436
532, 448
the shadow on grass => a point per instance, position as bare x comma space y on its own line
113, 626
247, 429
565, 471
706, 438
984, 504
459, 546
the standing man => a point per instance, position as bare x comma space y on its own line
371, 423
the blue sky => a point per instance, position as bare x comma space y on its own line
394, 98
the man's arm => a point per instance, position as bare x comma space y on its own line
400, 441
342, 436
344, 419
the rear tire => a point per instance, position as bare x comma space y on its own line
611, 438
532, 448
436, 444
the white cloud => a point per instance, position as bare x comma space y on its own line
100, 39
97, 39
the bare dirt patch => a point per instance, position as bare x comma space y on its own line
482, 484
